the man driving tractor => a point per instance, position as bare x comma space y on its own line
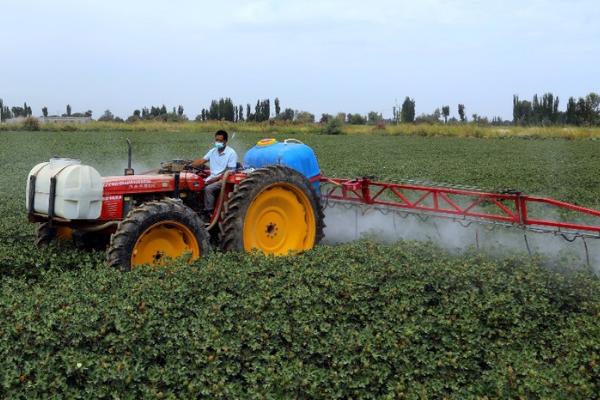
220, 158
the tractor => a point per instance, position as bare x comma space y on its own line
271, 204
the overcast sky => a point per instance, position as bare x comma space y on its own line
320, 56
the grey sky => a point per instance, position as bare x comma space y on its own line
320, 56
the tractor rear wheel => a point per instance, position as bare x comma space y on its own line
46, 234
155, 232
275, 210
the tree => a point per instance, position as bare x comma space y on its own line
180, 110
522, 111
433, 118
68, 110
544, 111
107, 116
332, 127
262, 110
266, 109
593, 101
446, 113
240, 113
45, 111
88, 114
287, 115
325, 118
277, 107
4, 112
571, 113
356, 119
257, 111
18, 112
461, 112
374, 117
304, 117
407, 113
222, 109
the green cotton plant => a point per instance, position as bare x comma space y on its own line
358, 320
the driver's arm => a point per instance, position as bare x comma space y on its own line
202, 161
198, 163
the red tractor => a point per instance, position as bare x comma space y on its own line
272, 204
150, 217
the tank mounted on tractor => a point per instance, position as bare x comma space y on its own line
272, 203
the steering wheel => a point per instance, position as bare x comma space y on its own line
202, 170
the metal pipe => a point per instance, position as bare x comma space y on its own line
129, 170
51, 200
31, 205
215, 219
128, 153
97, 228
176, 188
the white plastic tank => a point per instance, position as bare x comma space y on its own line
78, 193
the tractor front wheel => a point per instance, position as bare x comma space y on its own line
46, 234
155, 232
275, 210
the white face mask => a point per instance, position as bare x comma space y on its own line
219, 145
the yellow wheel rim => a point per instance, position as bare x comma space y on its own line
280, 220
164, 240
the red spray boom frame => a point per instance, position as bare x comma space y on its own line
504, 208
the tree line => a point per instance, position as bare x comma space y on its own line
225, 110
540, 110
584, 111
7, 112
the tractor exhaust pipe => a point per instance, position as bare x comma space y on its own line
129, 170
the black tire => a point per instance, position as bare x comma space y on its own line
46, 235
247, 191
140, 219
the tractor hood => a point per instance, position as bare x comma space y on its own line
154, 183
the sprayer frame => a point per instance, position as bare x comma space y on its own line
502, 208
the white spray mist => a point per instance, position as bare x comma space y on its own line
346, 223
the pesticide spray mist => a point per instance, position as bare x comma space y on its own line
346, 223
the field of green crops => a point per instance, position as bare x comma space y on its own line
359, 320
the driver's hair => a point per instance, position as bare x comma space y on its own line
222, 133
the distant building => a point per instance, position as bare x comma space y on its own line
64, 120
52, 120
16, 120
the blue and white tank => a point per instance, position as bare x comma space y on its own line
291, 153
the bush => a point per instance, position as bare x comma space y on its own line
332, 127
31, 124
356, 119
354, 321
304, 117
